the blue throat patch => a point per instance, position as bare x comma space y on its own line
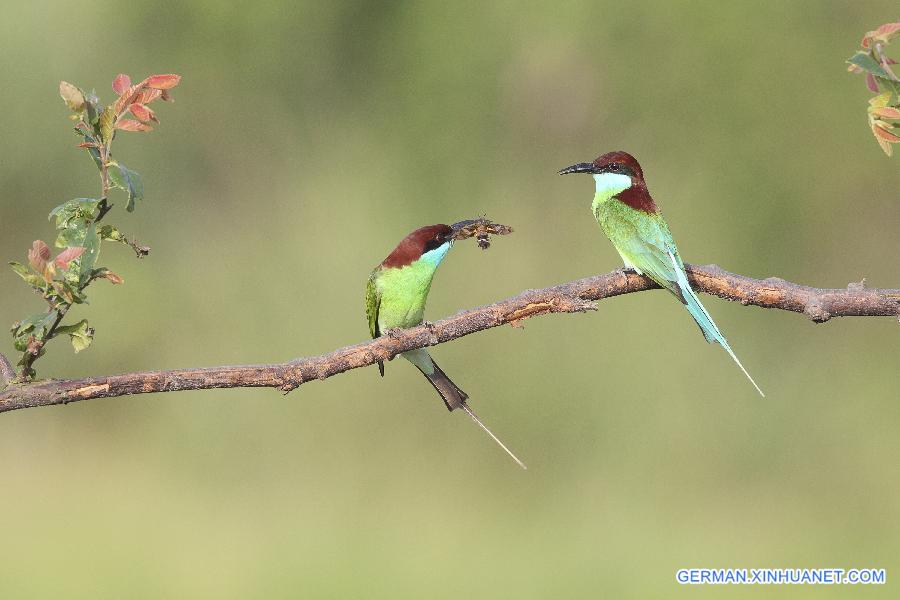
610, 184
434, 257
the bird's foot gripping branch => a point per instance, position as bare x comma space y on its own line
62, 281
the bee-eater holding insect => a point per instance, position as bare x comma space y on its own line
395, 299
631, 220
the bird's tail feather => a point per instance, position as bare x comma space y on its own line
475, 418
709, 329
452, 396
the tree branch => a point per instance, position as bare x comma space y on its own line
818, 304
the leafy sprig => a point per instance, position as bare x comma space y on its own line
62, 281
884, 107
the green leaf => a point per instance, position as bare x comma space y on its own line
95, 155
35, 325
124, 178
92, 105
91, 245
76, 228
20, 342
72, 278
63, 292
80, 333
107, 123
68, 291
108, 232
84, 209
21, 269
889, 85
864, 61
30, 278
71, 236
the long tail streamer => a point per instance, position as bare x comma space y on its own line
475, 418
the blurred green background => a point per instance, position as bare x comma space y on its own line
306, 139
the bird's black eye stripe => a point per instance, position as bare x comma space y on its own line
618, 168
433, 243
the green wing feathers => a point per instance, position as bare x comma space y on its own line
373, 304
651, 249
645, 243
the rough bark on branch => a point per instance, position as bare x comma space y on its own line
577, 296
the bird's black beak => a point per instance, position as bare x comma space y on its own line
579, 168
457, 228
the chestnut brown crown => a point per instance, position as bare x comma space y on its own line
611, 162
618, 162
636, 195
417, 243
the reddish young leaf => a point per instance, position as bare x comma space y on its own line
882, 34
162, 82
148, 95
125, 100
871, 83
88, 145
68, 255
887, 31
41, 249
113, 278
121, 83
141, 93
38, 255
132, 125
887, 112
143, 114
884, 134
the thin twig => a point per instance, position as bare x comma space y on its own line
817, 304
30, 355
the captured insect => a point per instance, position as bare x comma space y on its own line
481, 229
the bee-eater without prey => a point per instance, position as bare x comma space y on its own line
395, 299
631, 220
